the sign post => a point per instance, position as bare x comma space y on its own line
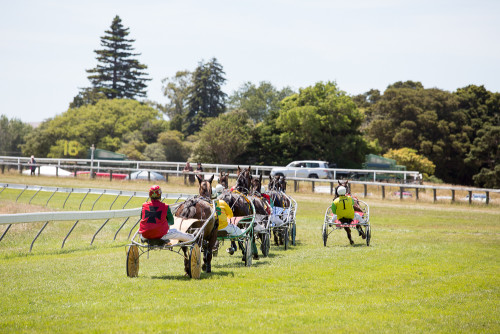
92, 149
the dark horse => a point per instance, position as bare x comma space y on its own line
276, 188
347, 186
199, 208
276, 192
256, 197
238, 199
224, 179
262, 207
235, 199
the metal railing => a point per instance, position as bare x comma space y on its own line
402, 188
174, 168
11, 219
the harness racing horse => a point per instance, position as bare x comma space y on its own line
224, 179
256, 197
276, 189
262, 209
237, 200
347, 186
199, 207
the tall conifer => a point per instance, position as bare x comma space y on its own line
118, 74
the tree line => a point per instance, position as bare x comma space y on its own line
450, 136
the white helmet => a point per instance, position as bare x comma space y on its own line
219, 188
262, 189
341, 191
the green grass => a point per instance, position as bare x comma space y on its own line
430, 268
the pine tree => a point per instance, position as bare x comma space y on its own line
118, 74
206, 99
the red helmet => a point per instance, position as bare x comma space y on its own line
155, 192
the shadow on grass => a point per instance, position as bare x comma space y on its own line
347, 245
204, 275
239, 264
58, 251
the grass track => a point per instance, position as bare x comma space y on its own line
431, 268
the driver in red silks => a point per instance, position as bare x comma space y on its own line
268, 199
156, 219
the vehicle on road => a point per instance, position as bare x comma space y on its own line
313, 169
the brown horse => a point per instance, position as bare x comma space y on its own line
347, 186
260, 204
236, 201
276, 188
224, 179
199, 208
243, 179
256, 197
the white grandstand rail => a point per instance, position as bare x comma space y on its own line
11, 219
19, 218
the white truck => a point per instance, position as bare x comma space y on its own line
314, 169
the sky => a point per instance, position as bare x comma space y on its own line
46, 46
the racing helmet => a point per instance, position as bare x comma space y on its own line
341, 190
219, 188
155, 192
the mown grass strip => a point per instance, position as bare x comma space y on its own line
430, 269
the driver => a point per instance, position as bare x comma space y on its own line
343, 207
156, 219
224, 212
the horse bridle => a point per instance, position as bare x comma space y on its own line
238, 187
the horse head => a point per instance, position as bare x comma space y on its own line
224, 179
243, 181
282, 184
274, 183
256, 184
270, 185
344, 184
205, 188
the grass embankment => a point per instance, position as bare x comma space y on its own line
430, 268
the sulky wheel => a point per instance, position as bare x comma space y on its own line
368, 232
265, 245
133, 261
294, 232
248, 252
195, 262
325, 234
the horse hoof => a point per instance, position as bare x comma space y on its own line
352, 242
256, 257
204, 267
230, 250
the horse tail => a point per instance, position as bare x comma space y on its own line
189, 209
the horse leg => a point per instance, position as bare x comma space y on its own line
348, 230
207, 255
186, 260
240, 243
361, 232
276, 241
